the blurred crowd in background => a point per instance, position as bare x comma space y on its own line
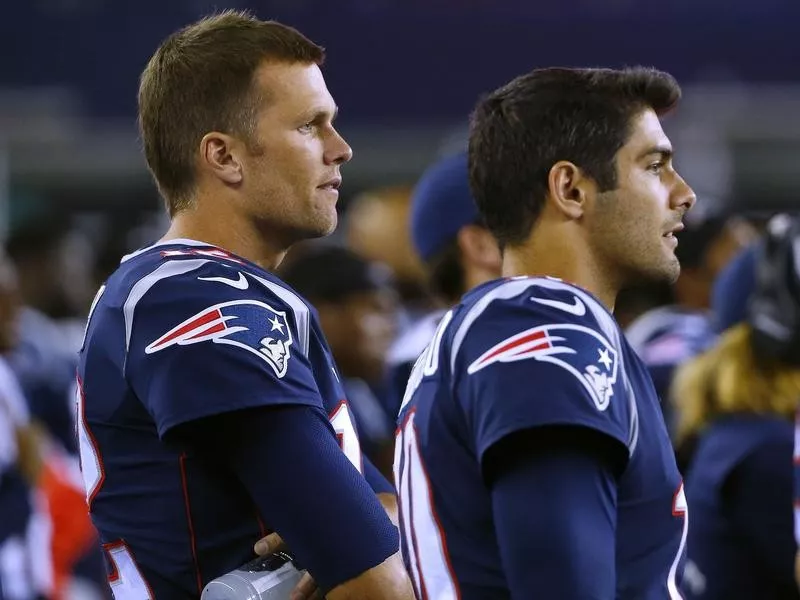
75, 197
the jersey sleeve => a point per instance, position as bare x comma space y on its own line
545, 357
214, 340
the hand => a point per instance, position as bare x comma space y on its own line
306, 589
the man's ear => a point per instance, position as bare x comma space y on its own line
569, 188
219, 157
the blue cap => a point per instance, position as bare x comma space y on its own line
733, 289
441, 205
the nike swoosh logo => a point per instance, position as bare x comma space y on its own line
239, 284
578, 308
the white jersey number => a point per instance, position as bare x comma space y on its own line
126, 580
424, 539
342, 424
91, 464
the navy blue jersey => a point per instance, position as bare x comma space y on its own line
518, 354
740, 488
183, 331
665, 338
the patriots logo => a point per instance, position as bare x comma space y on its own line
247, 324
596, 369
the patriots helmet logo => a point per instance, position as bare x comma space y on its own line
247, 324
582, 351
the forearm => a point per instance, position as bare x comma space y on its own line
387, 581
345, 539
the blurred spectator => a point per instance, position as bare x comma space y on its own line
357, 307
25, 567
712, 237
458, 253
53, 267
669, 325
54, 262
376, 228
77, 561
736, 406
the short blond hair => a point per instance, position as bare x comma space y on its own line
201, 79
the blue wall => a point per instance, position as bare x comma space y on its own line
411, 60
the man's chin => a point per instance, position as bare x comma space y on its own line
669, 273
327, 228
664, 274
322, 232
314, 231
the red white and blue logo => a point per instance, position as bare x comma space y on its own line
247, 324
595, 366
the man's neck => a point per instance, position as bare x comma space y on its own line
228, 232
475, 276
553, 253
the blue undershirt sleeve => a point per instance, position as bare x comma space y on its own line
554, 505
289, 461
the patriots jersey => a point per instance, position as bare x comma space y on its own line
665, 338
515, 355
183, 331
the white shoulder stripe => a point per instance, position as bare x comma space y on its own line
168, 269
302, 315
502, 292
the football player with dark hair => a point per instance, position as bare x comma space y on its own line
532, 459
